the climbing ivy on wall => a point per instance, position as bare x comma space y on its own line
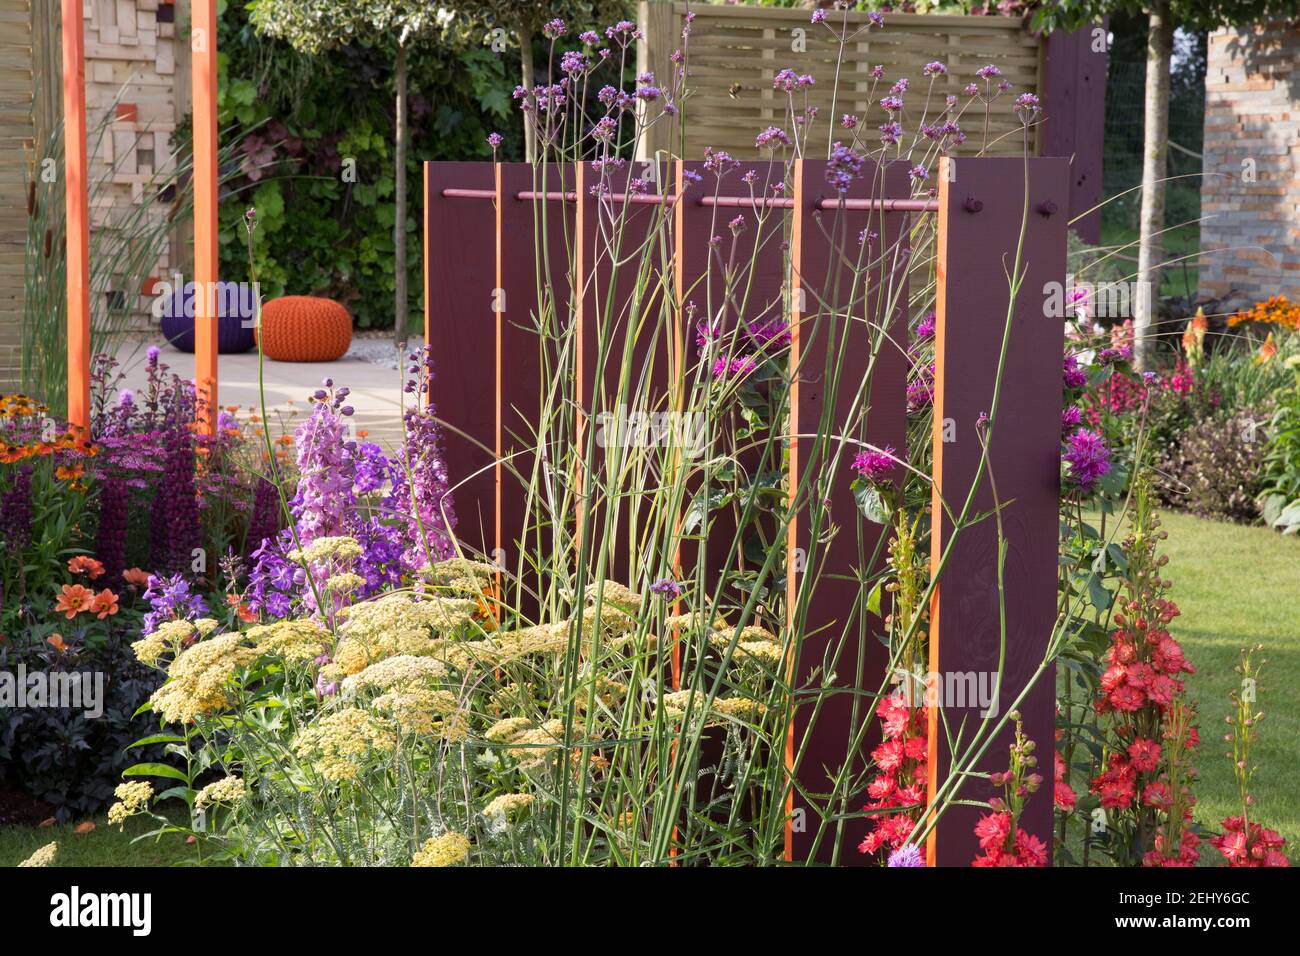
314, 155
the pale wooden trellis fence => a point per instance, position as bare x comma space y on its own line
735, 51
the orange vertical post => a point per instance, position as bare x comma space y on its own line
792, 477
203, 47
77, 200
498, 306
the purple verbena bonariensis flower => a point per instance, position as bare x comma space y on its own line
1087, 459
876, 465
666, 588
771, 137
171, 599
844, 166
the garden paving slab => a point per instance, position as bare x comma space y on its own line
376, 389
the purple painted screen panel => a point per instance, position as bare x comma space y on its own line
760, 248
627, 250
460, 264
856, 331
979, 228
536, 238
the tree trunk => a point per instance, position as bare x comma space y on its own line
399, 212
1160, 38
526, 62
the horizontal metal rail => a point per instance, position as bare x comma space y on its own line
730, 202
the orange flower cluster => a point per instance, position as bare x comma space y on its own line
1276, 309
20, 406
83, 564
78, 599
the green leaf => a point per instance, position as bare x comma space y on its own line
870, 502
1098, 593
873, 599
157, 739
155, 770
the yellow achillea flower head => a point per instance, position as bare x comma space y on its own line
467, 655
504, 731
745, 635
508, 804
620, 596
345, 583
135, 794
404, 670
291, 640
693, 621
764, 651
395, 624
341, 548
609, 692
742, 708
414, 709
198, 678
228, 790
446, 850
611, 620
132, 798
42, 857
168, 635
752, 642
338, 744
533, 747
539, 639
461, 576
147, 650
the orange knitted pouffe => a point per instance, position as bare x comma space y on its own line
304, 328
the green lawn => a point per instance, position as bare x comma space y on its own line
1180, 243
103, 846
1236, 586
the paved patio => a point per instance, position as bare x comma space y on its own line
376, 390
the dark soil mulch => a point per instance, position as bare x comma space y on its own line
18, 809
